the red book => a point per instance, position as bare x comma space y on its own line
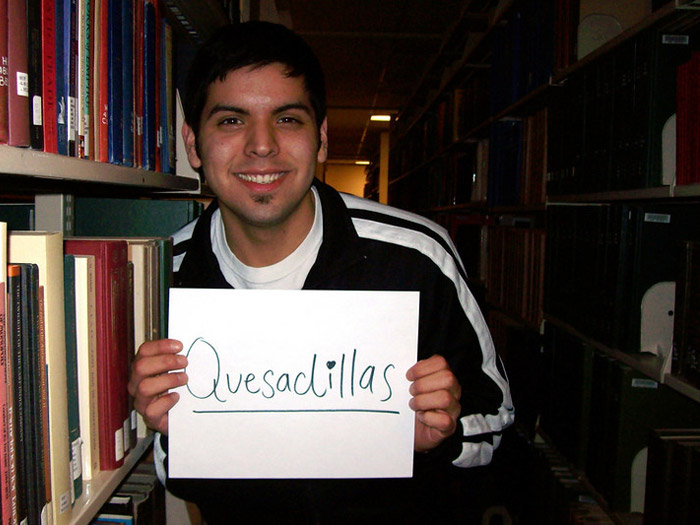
18, 96
101, 51
111, 289
5, 431
48, 74
4, 130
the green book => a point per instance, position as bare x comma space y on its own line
74, 442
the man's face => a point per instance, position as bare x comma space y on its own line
258, 146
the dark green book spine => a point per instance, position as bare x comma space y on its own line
74, 442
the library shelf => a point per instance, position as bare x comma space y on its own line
97, 491
681, 385
466, 54
659, 192
648, 364
58, 168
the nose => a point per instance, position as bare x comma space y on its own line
261, 140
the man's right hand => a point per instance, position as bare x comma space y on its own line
152, 375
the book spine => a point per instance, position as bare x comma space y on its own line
72, 377
4, 79
138, 81
114, 75
73, 79
149, 87
62, 74
83, 80
5, 484
18, 63
15, 456
103, 81
127, 78
48, 75
35, 86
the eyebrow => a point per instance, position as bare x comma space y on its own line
224, 108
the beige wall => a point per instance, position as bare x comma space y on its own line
348, 178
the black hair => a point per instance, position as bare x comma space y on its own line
253, 44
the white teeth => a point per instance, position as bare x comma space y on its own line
259, 179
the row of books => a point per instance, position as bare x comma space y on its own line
515, 273
139, 500
77, 311
601, 414
673, 477
507, 169
90, 79
606, 264
523, 53
685, 360
612, 123
459, 177
517, 171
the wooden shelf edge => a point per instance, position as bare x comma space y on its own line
30, 163
648, 364
97, 491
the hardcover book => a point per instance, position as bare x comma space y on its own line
111, 286
46, 250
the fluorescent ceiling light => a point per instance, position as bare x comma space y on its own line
381, 118
362, 162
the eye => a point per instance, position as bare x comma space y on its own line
230, 121
289, 119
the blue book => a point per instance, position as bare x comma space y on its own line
163, 103
62, 72
128, 82
150, 85
71, 12
115, 64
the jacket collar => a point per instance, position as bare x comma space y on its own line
339, 249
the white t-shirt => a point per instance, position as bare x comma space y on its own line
288, 274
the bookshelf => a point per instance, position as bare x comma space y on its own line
605, 147
27, 172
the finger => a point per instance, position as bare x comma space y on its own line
147, 367
440, 380
438, 420
160, 346
438, 400
427, 366
152, 387
156, 413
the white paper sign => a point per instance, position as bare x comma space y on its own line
293, 384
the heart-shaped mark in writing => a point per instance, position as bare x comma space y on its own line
330, 364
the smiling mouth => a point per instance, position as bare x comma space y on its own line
267, 178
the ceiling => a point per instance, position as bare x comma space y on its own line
374, 54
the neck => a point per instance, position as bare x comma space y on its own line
264, 245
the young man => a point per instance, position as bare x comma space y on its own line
255, 129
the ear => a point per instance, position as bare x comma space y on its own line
322, 154
191, 146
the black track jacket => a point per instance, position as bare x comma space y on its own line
369, 246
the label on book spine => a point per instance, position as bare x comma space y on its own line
76, 458
22, 84
72, 117
36, 111
119, 444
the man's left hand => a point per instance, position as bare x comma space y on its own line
436, 394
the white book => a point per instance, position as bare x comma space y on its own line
86, 349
